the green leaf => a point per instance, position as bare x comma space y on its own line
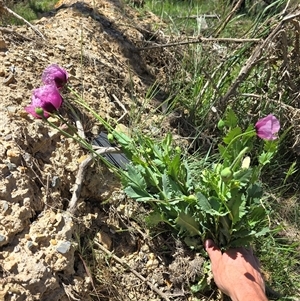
152, 178
170, 188
256, 215
270, 146
231, 119
201, 285
221, 124
262, 232
232, 134
255, 191
243, 176
237, 207
189, 180
174, 166
166, 143
207, 207
154, 218
138, 194
188, 222
265, 158
135, 184
134, 177
222, 150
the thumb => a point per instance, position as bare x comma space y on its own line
213, 251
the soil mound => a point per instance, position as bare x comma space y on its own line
42, 254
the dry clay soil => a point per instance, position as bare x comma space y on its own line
46, 253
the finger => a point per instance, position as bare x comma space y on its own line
213, 251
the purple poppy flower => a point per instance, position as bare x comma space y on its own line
267, 127
47, 98
55, 74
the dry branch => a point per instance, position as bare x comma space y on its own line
201, 40
233, 11
198, 16
81, 173
6, 9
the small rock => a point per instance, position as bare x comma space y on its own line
11, 166
152, 263
60, 47
53, 242
29, 59
17, 249
3, 46
63, 247
31, 245
104, 239
12, 109
3, 240
4, 207
55, 182
13, 87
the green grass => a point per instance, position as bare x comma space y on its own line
29, 9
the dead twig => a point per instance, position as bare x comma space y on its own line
121, 105
201, 40
5, 8
137, 274
198, 16
89, 275
229, 16
81, 173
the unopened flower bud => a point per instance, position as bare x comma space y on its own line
39, 111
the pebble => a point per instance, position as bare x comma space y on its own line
63, 247
2, 240
4, 206
104, 238
11, 109
55, 182
11, 166
28, 58
17, 249
60, 47
30, 245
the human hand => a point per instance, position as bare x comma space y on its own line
236, 273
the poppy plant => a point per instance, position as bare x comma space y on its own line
267, 127
55, 74
46, 98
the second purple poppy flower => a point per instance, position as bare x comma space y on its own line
55, 74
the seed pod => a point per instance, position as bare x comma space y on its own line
110, 138
226, 174
221, 124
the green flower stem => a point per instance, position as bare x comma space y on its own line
237, 137
81, 102
76, 138
238, 158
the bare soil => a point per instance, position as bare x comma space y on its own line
46, 253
